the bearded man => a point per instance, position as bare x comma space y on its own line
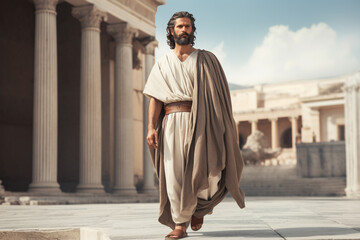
191, 131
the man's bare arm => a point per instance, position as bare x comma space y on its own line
154, 113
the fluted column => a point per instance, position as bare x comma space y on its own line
274, 133
44, 172
294, 130
149, 184
254, 126
90, 99
352, 135
124, 168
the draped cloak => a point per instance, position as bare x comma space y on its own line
213, 144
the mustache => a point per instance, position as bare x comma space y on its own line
184, 34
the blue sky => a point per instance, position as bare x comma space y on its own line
263, 41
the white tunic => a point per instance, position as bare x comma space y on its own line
171, 81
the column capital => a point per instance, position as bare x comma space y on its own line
293, 118
49, 5
273, 119
150, 47
353, 83
122, 32
89, 16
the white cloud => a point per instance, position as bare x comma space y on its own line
286, 55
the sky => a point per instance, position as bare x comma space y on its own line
269, 41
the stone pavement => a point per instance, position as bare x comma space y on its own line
263, 218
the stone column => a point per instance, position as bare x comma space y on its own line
149, 184
90, 99
124, 169
237, 128
274, 133
294, 130
315, 118
352, 135
45, 135
254, 126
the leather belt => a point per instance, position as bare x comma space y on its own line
182, 106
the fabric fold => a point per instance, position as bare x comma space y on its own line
213, 144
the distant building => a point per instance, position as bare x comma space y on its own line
290, 112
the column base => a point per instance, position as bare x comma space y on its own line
45, 187
124, 190
150, 190
352, 193
2, 190
90, 188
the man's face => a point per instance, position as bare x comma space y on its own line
182, 31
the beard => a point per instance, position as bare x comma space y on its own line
183, 41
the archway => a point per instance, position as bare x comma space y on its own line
286, 139
241, 141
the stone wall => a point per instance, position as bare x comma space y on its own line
330, 121
320, 171
324, 159
283, 181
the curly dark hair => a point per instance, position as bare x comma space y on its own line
171, 25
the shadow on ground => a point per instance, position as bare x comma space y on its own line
285, 232
256, 233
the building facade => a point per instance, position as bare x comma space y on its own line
71, 103
291, 112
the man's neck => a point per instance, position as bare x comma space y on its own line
183, 50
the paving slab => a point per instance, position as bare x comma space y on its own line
263, 218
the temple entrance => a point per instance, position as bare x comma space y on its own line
241, 141
286, 139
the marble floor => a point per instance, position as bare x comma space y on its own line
263, 218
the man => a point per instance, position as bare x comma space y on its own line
191, 131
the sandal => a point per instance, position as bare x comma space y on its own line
196, 223
176, 234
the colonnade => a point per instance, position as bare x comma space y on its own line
149, 184
275, 129
45, 135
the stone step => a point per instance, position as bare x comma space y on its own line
283, 181
17, 198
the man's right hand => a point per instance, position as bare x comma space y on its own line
155, 107
152, 138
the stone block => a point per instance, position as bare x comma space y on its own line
283, 181
60, 234
2, 190
33, 202
10, 199
324, 159
24, 199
